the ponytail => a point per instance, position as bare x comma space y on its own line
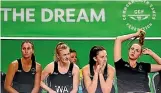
141, 39
33, 58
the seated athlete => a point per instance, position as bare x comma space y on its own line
73, 56
158, 88
98, 76
3, 76
24, 74
132, 76
63, 75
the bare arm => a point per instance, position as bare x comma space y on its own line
75, 79
106, 85
9, 77
154, 67
147, 51
37, 78
118, 42
48, 70
156, 58
90, 85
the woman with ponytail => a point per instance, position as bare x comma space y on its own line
62, 75
24, 74
132, 76
98, 75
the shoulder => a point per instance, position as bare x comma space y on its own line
121, 60
111, 69
144, 64
14, 64
120, 63
85, 69
51, 65
75, 67
38, 66
49, 68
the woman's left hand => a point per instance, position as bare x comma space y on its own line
147, 51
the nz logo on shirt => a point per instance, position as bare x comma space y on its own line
70, 74
33, 70
140, 68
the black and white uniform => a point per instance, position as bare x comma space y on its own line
3, 76
61, 83
98, 89
132, 80
23, 81
159, 84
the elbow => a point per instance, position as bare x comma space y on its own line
159, 61
41, 84
106, 90
35, 90
75, 90
90, 90
7, 87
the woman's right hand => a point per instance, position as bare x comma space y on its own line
98, 69
140, 32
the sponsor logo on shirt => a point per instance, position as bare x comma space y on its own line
55, 73
127, 65
19, 70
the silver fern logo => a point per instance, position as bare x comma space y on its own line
138, 14
33, 70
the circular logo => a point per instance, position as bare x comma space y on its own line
33, 70
138, 14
